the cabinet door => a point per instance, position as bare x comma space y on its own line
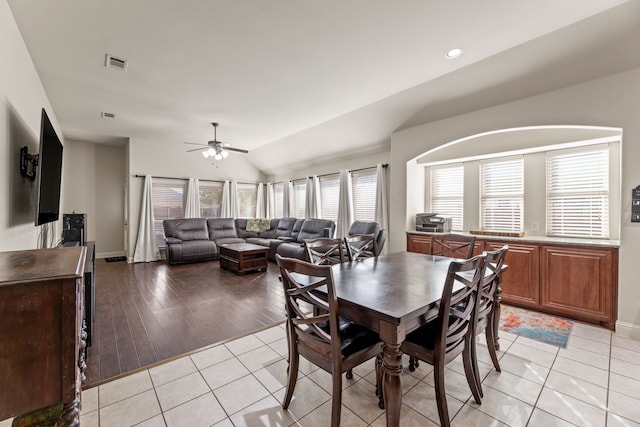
521, 282
579, 282
420, 243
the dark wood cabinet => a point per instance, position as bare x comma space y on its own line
578, 281
521, 282
41, 307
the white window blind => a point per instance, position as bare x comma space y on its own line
502, 195
447, 193
278, 196
299, 195
329, 196
578, 193
247, 197
363, 189
167, 199
210, 199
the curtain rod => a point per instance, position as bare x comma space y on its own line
187, 179
384, 165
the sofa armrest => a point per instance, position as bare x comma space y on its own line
172, 240
286, 239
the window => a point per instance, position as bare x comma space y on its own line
447, 193
330, 196
167, 199
502, 195
578, 193
210, 199
299, 197
247, 199
363, 189
278, 204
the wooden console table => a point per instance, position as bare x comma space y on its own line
41, 307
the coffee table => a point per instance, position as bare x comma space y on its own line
243, 257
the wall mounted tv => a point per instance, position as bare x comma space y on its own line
49, 173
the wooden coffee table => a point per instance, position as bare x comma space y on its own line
243, 257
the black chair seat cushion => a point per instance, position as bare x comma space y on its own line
354, 337
424, 336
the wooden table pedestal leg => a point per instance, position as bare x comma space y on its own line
392, 388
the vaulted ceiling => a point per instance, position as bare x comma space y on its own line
324, 78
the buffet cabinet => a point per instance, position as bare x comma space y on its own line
579, 281
41, 309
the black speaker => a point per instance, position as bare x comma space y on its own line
73, 226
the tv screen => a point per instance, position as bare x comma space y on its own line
49, 173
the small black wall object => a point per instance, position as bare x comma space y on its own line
635, 204
25, 160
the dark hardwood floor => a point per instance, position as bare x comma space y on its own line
149, 312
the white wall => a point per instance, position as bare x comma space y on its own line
172, 160
94, 185
22, 97
612, 101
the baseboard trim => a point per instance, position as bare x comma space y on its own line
630, 330
109, 254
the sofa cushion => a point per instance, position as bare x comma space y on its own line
363, 227
221, 227
271, 232
186, 229
241, 229
296, 228
192, 250
314, 228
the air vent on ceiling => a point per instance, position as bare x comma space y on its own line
115, 63
106, 115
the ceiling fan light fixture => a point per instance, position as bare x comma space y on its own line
218, 156
224, 153
211, 152
205, 154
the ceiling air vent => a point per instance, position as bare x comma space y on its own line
106, 115
115, 63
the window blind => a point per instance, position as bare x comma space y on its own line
502, 195
300, 195
363, 189
329, 196
168, 203
578, 193
247, 199
447, 193
210, 199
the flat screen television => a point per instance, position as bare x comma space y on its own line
49, 173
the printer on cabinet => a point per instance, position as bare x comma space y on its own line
433, 222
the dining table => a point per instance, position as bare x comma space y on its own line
393, 295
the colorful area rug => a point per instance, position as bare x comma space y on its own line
538, 326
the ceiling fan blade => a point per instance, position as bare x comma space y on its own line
198, 149
195, 143
239, 150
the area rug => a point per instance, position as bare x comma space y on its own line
537, 326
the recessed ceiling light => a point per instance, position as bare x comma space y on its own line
454, 53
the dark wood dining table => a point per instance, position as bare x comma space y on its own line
393, 295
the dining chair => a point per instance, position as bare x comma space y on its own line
361, 246
319, 335
452, 245
442, 340
323, 250
488, 314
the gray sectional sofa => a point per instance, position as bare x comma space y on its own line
197, 239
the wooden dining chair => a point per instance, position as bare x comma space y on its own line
488, 314
442, 340
452, 245
361, 246
319, 335
324, 251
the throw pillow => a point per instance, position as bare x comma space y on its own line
258, 224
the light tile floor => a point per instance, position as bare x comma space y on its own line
594, 382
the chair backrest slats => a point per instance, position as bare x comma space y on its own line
361, 246
452, 245
324, 251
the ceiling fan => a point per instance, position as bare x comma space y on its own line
217, 149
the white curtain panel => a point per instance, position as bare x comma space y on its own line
146, 245
225, 212
260, 211
382, 208
310, 205
271, 199
192, 204
345, 205
286, 197
234, 199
